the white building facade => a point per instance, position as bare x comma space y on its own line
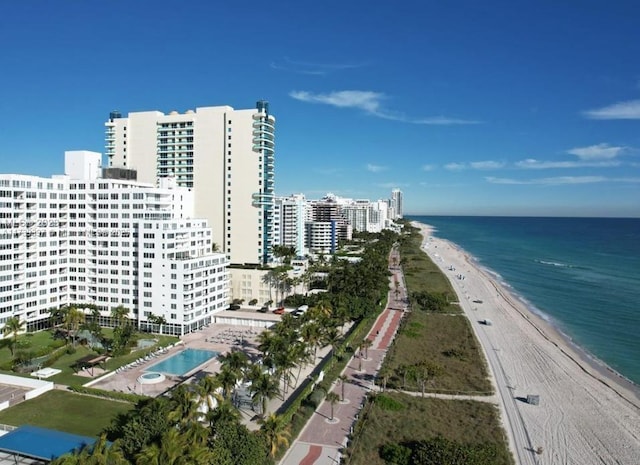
226, 156
395, 204
78, 238
290, 217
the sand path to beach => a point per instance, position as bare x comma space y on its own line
585, 415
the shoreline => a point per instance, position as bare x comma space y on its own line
582, 400
549, 329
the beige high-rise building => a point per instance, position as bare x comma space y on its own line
226, 156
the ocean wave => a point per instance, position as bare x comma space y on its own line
561, 265
558, 264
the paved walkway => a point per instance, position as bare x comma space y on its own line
326, 433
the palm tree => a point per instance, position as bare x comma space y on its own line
332, 337
119, 315
227, 379
157, 320
73, 318
225, 412
185, 407
311, 335
406, 371
55, 315
343, 379
384, 373
365, 344
13, 326
284, 362
98, 453
276, 431
332, 398
264, 388
236, 361
424, 371
170, 451
207, 389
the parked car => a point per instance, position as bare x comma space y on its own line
263, 309
279, 311
234, 307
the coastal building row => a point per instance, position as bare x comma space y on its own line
80, 238
317, 226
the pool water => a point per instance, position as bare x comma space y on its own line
183, 362
151, 378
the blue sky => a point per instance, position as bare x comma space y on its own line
503, 107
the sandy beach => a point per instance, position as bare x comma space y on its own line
586, 414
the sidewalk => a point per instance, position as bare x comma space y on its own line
322, 439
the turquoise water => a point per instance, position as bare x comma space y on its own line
580, 274
183, 362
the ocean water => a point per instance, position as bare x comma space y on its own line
580, 274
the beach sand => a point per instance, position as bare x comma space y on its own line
586, 414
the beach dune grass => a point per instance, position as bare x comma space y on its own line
467, 422
421, 274
65, 411
445, 340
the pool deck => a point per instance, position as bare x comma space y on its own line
220, 338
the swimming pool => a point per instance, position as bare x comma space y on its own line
183, 362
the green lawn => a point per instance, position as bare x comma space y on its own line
65, 411
44, 339
421, 419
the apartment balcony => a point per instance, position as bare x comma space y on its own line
261, 122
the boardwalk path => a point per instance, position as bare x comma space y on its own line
322, 438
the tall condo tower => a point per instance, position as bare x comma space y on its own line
226, 156
396, 203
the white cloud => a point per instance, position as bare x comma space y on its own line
392, 185
487, 165
597, 152
375, 168
532, 164
476, 165
364, 100
427, 167
621, 110
443, 121
309, 68
560, 180
371, 103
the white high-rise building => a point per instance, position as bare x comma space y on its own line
396, 203
81, 239
226, 156
364, 215
290, 216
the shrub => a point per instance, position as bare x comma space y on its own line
388, 403
395, 454
316, 397
133, 398
253, 301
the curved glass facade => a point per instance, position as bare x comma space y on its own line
264, 145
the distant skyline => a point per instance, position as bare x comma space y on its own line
525, 108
